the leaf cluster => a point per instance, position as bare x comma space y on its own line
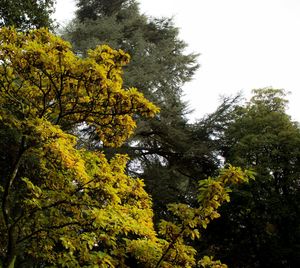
26, 14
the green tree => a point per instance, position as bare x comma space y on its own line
95, 8
26, 14
264, 216
166, 145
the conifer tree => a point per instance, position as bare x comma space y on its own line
166, 145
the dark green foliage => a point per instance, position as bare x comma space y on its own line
173, 158
261, 226
158, 66
93, 9
26, 14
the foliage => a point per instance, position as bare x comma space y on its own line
213, 192
93, 9
263, 216
26, 14
166, 146
173, 249
152, 43
55, 196
69, 207
208, 262
44, 74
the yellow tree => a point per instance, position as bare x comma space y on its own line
65, 206
53, 195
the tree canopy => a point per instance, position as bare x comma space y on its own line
53, 193
26, 14
263, 216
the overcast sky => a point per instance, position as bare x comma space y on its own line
244, 44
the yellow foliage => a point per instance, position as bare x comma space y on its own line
213, 192
208, 262
42, 78
70, 199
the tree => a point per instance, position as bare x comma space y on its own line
263, 216
167, 144
158, 66
50, 189
62, 205
26, 14
93, 9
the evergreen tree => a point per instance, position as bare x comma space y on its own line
166, 151
95, 8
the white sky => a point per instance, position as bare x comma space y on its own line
244, 44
